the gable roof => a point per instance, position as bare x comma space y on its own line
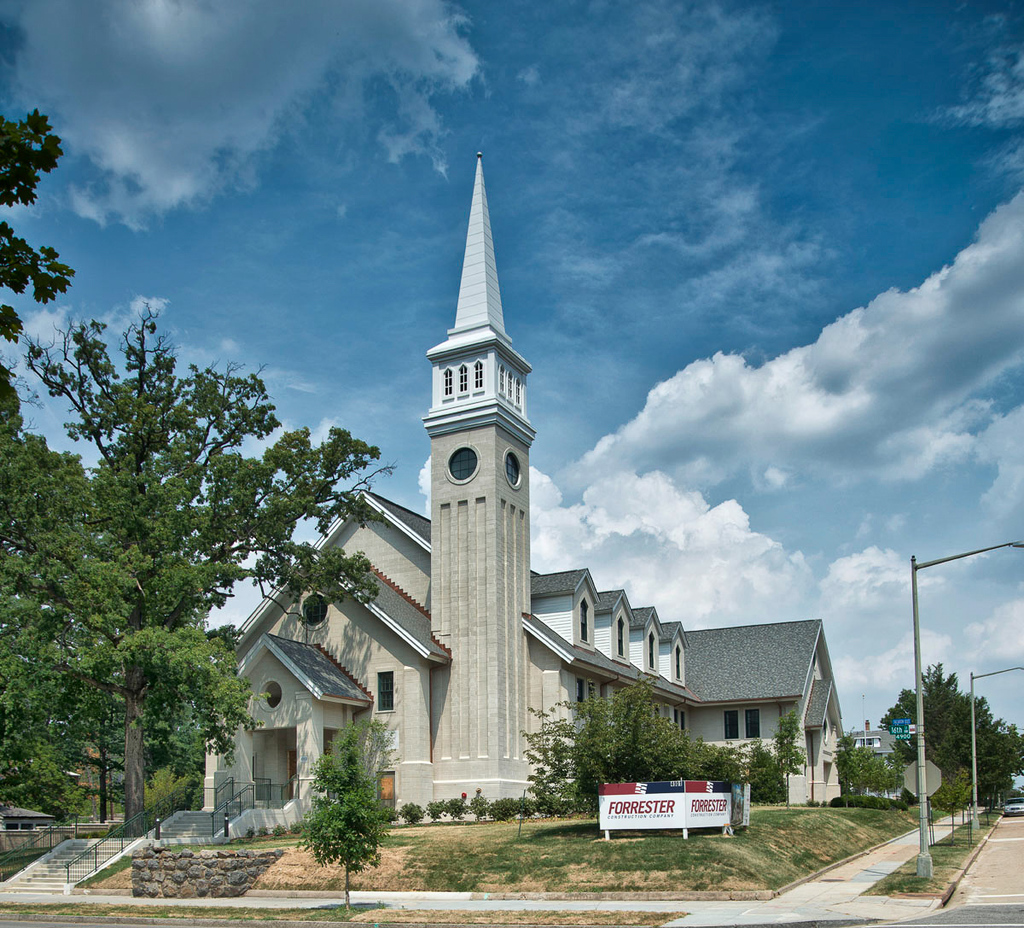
413, 521
607, 599
407, 618
316, 670
817, 703
669, 629
583, 659
564, 581
768, 661
640, 616
16, 812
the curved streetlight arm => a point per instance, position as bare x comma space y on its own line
956, 557
974, 743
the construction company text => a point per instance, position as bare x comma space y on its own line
681, 804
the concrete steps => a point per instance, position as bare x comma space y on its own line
185, 826
49, 874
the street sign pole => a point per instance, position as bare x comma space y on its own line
924, 858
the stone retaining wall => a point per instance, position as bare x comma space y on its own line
185, 874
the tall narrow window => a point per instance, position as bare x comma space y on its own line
448, 383
622, 635
732, 724
463, 379
753, 721
386, 691
584, 620
501, 380
478, 375
682, 719
650, 650
679, 663
581, 689
519, 392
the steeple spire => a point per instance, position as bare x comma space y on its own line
479, 296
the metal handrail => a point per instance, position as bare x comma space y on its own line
240, 802
138, 826
35, 845
226, 788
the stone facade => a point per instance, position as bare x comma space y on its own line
184, 874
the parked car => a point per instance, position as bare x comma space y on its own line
1013, 807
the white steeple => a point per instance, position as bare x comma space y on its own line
478, 376
479, 295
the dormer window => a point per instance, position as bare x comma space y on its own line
448, 382
478, 375
679, 663
584, 620
621, 638
463, 379
650, 650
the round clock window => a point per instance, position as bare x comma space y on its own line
512, 470
462, 464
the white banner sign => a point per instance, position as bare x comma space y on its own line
671, 804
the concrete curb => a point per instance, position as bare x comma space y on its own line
948, 894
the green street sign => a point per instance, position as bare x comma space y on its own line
900, 729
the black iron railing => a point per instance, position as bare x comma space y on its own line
36, 844
138, 826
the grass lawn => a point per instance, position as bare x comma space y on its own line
357, 914
947, 858
570, 856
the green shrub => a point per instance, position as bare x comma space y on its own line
390, 815
867, 802
480, 806
456, 808
249, 833
412, 813
262, 833
435, 809
296, 828
280, 830
504, 810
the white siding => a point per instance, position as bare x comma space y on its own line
556, 613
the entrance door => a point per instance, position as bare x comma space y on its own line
386, 792
292, 768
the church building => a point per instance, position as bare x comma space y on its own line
463, 638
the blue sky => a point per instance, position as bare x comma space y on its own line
766, 260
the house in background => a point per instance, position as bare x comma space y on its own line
463, 638
14, 819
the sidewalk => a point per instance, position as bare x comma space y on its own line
834, 895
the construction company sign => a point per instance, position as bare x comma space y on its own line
672, 804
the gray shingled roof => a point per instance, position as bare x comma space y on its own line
319, 669
16, 812
814, 716
412, 520
752, 661
668, 631
608, 598
398, 608
584, 658
640, 616
564, 581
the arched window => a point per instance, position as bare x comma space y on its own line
478, 375
501, 380
679, 662
519, 392
650, 650
448, 382
622, 630
463, 379
584, 620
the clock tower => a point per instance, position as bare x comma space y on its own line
480, 440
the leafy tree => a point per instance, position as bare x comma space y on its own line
947, 728
346, 823
26, 148
786, 742
763, 773
112, 569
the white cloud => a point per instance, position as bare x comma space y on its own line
872, 579
1002, 634
890, 670
667, 546
172, 99
423, 480
998, 100
890, 389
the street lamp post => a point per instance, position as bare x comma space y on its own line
924, 858
974, 742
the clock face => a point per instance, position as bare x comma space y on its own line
462, 464
512, 469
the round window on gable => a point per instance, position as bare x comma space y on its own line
273, 694
462, 464
512, 470
314, 610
